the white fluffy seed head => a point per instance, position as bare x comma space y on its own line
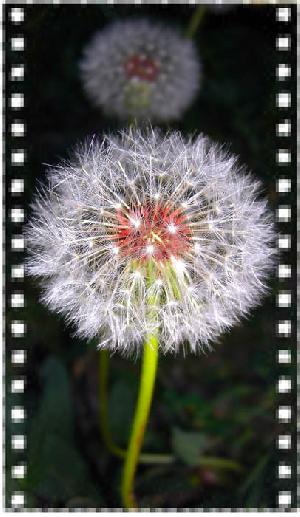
141, 69
120, 282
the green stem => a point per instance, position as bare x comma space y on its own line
147, 458
103, 409
195, 21
148, 374
220, 463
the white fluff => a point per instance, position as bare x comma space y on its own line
193, 296
103, 70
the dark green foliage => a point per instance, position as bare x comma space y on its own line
121, 409
56, 471
188, 446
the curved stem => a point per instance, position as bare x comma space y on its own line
103, 409
195, 21
147, 458
147, 382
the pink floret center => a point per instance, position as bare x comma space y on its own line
153, 230
141, 67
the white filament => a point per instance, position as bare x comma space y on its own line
104, 292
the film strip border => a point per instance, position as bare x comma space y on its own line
16, 331
297, 277
285, 44
15, 450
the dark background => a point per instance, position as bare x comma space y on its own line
217, 405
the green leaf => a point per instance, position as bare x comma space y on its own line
56, 470
56, 411
188, 445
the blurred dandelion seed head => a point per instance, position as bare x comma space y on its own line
141, 69
140, 202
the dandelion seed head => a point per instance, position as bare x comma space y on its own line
108, 250
141, 69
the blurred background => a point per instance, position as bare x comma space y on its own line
214, 412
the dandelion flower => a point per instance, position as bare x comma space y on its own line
145, 233
140, 69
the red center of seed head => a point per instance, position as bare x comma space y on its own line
153, 230
142, 67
